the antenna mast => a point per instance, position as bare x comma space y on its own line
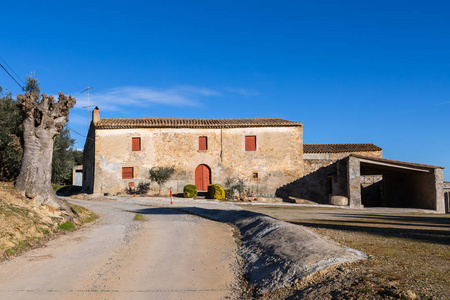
88, 88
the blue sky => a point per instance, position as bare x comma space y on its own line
351, 71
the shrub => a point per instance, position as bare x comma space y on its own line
229, 193
189, 191
141, 189
216, 191
234, 183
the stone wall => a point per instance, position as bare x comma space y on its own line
447, 196
314, 161
89, 161
324, 177
277, 160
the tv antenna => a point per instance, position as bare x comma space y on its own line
87, 106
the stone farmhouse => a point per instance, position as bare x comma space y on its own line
267, 153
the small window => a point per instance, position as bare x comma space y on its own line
255, 175
203, 143
136, 144
250, 143
127, 173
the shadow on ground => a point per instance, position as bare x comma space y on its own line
423, 228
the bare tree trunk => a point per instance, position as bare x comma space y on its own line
43, 120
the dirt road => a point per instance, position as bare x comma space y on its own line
171, 255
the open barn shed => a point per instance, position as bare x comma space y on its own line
394, 183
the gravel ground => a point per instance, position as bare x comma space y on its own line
169, 255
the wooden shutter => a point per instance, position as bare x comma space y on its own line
127, 173
203, 143
250, 143
136, 144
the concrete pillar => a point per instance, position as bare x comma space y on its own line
439, 188
354, 182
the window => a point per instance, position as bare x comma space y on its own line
127, 172
250, 143
136, 144
203, 143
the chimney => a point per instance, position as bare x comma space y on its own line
96, 115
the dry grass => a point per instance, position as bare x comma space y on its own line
24, 226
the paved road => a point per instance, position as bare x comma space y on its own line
171, 255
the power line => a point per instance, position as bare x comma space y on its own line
80, 133
12, 77
12, 70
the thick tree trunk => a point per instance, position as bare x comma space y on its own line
36, 171
42, 122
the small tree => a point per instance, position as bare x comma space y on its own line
11, 143
63, 157
161, 175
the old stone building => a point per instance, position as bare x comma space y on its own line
265, 153
358, 176
268, 154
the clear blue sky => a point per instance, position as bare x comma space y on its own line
351, 71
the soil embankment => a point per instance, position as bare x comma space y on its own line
24, 225
276, 253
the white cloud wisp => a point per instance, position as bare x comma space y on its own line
116, 98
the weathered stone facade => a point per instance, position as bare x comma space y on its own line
278, 158
268, 154
322, 163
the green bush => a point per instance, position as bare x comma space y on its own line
216, 191
190, 191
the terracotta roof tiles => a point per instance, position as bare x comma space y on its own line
192, 123
339, 148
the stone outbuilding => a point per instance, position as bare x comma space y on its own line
265, 153
358, 176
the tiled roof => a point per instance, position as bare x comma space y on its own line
396, 162
339, 148
192, 123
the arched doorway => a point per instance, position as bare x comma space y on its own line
202, 177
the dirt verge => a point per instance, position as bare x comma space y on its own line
24, 225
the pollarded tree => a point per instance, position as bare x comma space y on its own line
43, 119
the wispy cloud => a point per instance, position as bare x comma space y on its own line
442, 103
243, 92
117, 98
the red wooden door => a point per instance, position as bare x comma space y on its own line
202, 177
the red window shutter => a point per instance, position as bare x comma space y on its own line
203, 143
250, 143
135, 144
127, 173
